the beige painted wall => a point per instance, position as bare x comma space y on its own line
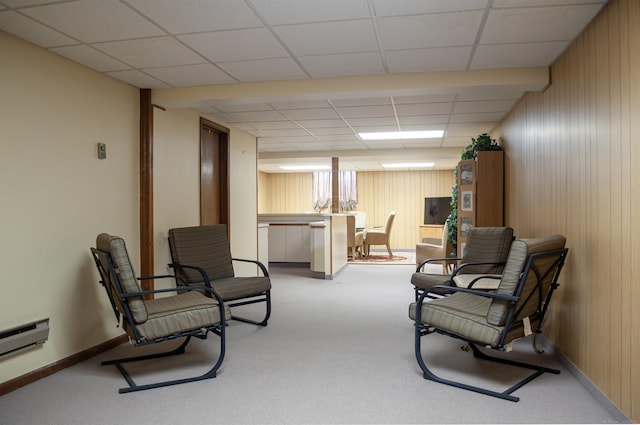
56, 196
570, 169
378, 194
176, 161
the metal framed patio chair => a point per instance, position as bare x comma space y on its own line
202, 255
479, 267
185, 314
494, 319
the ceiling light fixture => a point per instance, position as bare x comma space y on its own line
397, 135
410, 165
305, 167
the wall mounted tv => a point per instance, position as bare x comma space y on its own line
436, 210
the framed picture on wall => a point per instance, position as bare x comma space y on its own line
466, 223
466, 200
466, 174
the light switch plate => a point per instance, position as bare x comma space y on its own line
102, 151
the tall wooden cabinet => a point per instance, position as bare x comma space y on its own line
480, 193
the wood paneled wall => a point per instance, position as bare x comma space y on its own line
570, 170
378, 194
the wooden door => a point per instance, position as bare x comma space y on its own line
214, 173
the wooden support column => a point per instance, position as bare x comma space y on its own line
146, 188
335, 185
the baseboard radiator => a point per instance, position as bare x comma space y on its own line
23, 337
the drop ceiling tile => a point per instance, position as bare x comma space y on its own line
310, 114
411, 120
297, 139
456, 141
426, 60
90, 57
375, 129
325, 66
30, 30
410, 7
296, 11
331, 131
330, 123
264, 70
182, 16
537, 24
278, 133
191, 75
329, 37
138, 79
255, 117
366, 111
150, 52
477, 117
366, 122
271, 125
427, 31
236, 45
517, 55
93, 21
424, 109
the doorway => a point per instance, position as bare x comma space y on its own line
214, 173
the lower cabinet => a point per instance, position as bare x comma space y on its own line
289, 243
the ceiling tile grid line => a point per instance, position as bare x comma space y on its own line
173, 44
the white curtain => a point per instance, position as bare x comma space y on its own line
348, 196
348, 190
321, 190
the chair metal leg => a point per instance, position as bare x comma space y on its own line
266, 299
421, 330
211, 373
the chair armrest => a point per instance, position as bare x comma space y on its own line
453, 289
429, 260
186, 288
205, 276
256, 262
463, 265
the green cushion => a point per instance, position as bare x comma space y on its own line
429, 280
115, 246
179, 313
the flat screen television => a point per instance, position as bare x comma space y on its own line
436, 210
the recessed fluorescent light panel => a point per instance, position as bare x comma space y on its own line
410, 165
305, 167
398, 135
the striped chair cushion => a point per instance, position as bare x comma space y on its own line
461, 314
172, 315
235, 288
115, 246
203, 246
520, 250
487, 245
